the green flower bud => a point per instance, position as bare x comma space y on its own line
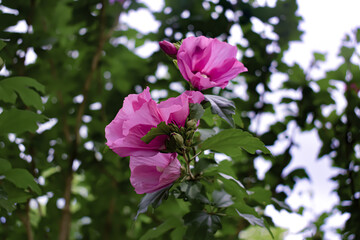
173, 127
170, 145
182, 131
179, 140
188, 143
189, 134
191, 124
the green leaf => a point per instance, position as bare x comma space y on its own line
252, 219
358, 35
2, 44
260, 195
15, 194
1, 63
4, 165
281, 204
178, 233
7, 205
22, 179
208, 117
347, 52
222, 107
160, 129
19, 121
23, 86
194, 191
234, 187
250, 215
231, 141
155, 233
319, 57
201, 225
154, 198
238, 120
203, 164
196, 111
224, 166
222, 199
3, 193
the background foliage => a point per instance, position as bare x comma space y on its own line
84, 68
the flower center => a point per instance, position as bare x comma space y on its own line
205, 76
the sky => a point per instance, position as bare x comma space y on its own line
325, 23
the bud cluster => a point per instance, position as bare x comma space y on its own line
181, 137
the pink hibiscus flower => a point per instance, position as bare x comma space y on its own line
207, 62
139, 114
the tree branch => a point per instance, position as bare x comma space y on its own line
25, 219
65, 222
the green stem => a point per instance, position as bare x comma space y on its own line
196, 154
187, 161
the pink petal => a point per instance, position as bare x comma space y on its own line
153, 173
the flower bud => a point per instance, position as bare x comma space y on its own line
191, 124
182, 131
189, 134
179, 140
173, 127
168, 48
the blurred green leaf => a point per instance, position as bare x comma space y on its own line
358, 35
19, 121
347, 52
319, 57
22, 179
4, 166
1, 63
10, 87
260, 195
2, 44
155, 233
7, 205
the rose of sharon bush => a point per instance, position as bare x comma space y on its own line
149, 174
207, 62
139, 114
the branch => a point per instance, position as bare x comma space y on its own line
25, 219
65, 222
94, 64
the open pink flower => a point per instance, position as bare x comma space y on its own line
139, 114
149, 174
207, 62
